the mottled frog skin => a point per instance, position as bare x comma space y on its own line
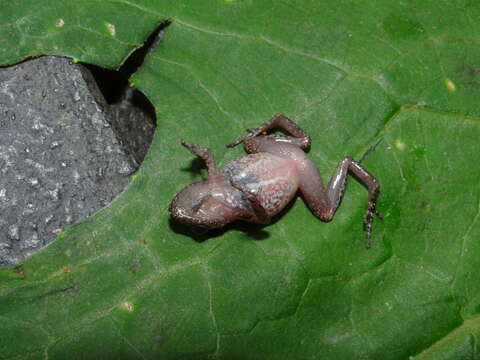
258, 186
270, 179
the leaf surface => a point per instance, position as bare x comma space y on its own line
395, 81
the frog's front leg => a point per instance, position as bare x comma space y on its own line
325, 202
205, 154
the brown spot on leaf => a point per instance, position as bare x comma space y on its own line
64, 270
19, 270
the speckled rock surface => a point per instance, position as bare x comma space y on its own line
60, 160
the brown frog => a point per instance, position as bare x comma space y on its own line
258, 186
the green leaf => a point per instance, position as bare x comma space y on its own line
401, 75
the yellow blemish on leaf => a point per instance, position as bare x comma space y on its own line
60, 23
133, 176
400, 145
128, 306
450, 85
111, 29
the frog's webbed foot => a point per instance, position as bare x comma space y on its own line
368, 220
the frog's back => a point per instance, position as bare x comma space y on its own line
270, 179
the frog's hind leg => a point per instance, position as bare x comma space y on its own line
282, 122
277, 145
325, 202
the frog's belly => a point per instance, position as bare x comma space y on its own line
270, 179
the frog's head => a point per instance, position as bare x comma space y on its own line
208, 205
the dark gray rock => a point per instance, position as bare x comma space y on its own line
60, 160
133, 123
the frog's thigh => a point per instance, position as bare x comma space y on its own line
275, 196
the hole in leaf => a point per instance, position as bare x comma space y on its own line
113, 83
69, 141
125, 100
